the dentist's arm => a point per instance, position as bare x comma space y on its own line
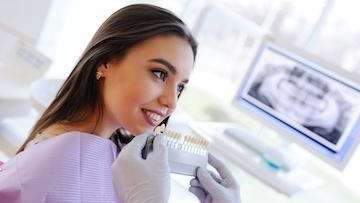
211, 188
142, 180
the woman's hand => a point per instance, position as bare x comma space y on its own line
142, 180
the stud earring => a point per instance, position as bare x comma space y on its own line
99, 74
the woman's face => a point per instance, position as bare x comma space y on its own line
141, 89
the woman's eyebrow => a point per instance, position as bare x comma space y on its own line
167, 64
171, 67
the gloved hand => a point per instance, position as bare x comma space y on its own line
212, 188
142, 180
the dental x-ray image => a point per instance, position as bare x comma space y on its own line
309, 101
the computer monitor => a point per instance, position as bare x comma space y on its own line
305, 100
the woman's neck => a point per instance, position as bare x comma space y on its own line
91, 125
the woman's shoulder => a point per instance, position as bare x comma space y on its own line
70, 148
69, 141
63, 163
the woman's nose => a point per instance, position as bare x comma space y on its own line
169, 97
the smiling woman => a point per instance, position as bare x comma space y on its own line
127, 81
129, 77
163, 64
137, 43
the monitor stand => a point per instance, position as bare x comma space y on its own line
272, 165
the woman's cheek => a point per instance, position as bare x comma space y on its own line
148, 92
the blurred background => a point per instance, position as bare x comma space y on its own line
42, 39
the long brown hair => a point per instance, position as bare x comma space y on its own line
80, 94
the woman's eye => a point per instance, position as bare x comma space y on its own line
160, 74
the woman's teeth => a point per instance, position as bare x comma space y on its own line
154, 116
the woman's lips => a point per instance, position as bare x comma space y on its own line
152, 117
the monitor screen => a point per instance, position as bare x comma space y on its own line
304, 98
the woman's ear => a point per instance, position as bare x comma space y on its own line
103, 69
107, 67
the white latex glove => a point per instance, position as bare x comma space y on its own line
212, 188
142, 180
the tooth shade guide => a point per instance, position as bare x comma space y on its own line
185, 152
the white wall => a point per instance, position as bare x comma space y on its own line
25, 16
